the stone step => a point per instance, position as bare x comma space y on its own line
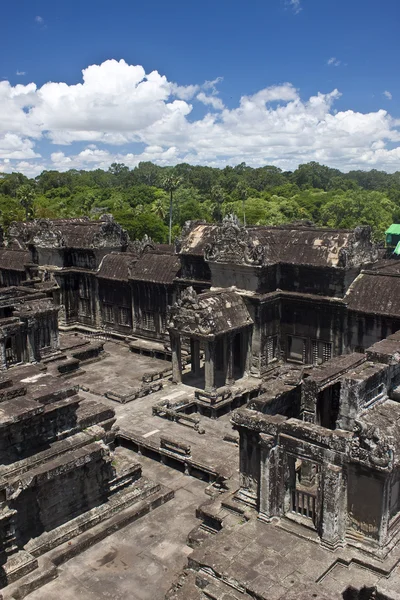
54, 358
299, 530
46, 571
215, 589
57, 449
17, 566
198, 535
91, 518
68, 365
135, 510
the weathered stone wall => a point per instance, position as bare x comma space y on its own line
21, 436
150, 303
312, 320
194, 268
67, 487
321, 281
115, 298
365, 516
364, 330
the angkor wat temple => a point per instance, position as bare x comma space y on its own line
264, 361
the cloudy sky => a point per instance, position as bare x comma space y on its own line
87, 83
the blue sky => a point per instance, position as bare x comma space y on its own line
213, 82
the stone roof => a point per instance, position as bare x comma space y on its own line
375, 294
300, 245
156, 268
387, 267
79, 233
208, 314
14, 260
16, 295
116, 266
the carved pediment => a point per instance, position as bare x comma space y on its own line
140, 247
233, 244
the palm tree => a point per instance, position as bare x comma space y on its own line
170, 184
242, 192
158, 208
218, 197
26, 196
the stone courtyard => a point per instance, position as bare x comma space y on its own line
215, 420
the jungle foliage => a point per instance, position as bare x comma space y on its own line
141, 198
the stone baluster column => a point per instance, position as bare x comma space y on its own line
333, 524
209, 366
271, 481
176, 358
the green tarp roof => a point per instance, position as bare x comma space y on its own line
397, 249
395, 228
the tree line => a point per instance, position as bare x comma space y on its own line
159, 200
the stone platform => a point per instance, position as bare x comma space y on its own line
42, 556
271, 562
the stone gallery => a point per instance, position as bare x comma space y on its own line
264, 361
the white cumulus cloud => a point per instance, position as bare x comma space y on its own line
120, 105
333, 62
211, 101
388, 95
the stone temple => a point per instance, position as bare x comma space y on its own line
215, 420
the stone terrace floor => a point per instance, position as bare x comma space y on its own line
122, 368
267, 561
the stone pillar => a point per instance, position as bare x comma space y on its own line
209, 367
31, 348
385, 517
195, 355
176, 358
333, 498
228, 351
271, 481
247, 346
3, 360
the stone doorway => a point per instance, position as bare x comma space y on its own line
328, 404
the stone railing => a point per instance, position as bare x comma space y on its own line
175, 412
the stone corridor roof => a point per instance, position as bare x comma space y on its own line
14, 260
116, 266
81, 233
375, 294
156, 268
299, 245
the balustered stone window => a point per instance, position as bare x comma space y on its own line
321, 352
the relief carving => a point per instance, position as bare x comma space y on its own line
233, 244
140, 247
369, 445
